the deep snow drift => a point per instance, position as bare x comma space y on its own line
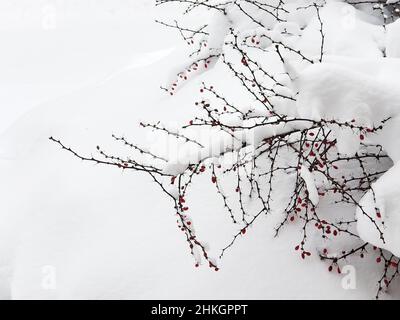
366, 91
111, 234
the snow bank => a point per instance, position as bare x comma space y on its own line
309, 180
365, 91
348, 32
393, 40
53, 48
385, 210
119, 240
368, 92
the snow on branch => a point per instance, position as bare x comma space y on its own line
313, 136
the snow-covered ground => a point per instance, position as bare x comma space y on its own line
53, 48
98, 232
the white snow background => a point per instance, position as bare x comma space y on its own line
80, 71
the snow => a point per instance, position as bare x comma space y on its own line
387, 197
368, 92
393, 40
349, 32
346, 89
308, 178
88, 43
108, 233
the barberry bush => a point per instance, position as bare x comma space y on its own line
290, 150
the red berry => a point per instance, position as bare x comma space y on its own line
361, 137
378, 260
299, 200
214, 179
297, 248
386, 282
243, 231
330, 268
